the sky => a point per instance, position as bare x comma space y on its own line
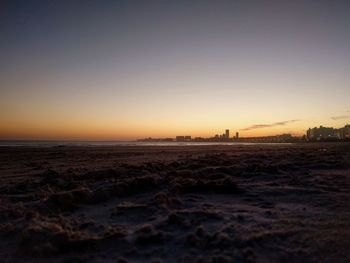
134, 69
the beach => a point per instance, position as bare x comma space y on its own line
206, 203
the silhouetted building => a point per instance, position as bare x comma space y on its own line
343, 133
347, 132
188, 138
283, 138
323, 134
237, 135
183, 138
149, 139
180, 138
227, 134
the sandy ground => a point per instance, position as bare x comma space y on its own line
281, 203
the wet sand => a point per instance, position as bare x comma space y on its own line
259, 203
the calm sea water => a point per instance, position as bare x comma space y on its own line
116, 143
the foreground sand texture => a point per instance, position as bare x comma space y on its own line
265, 203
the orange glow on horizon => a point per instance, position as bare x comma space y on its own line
128, 132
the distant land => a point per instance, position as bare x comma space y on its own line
315, 134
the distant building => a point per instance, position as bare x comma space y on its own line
323, 134
149, 139
237, 135
343, 133
340, 133
283, 138
227, 134
183, 138
347, 132
180, 138
188, 138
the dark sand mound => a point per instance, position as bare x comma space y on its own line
226, 185
176, 204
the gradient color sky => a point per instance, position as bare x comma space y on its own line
131, 69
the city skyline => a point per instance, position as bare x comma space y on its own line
320, 133
120, 71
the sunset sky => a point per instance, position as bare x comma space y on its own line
134, 69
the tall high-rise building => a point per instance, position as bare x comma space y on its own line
237, 135
227, 134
